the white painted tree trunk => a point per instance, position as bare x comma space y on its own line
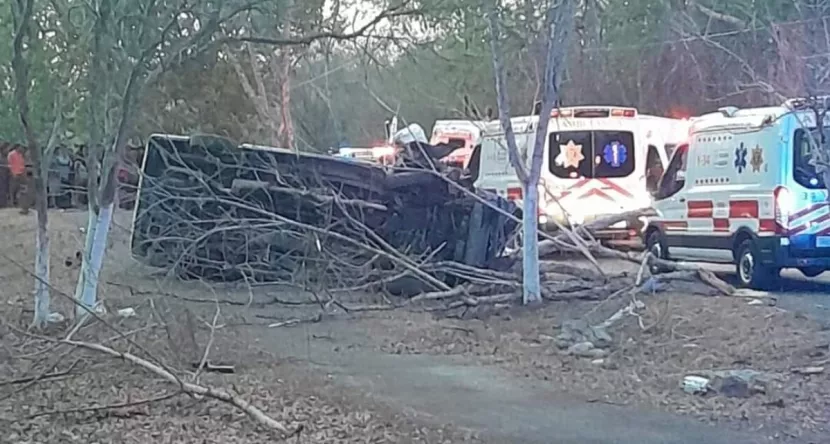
530, 246
93, 257
42, 296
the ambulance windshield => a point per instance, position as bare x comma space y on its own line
804, 172
592, 154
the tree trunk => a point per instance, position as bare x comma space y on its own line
94, 251
22, 17
42, 296
286, 130
530, 246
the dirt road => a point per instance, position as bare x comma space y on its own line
499, 407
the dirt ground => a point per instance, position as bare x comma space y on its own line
673, 336
62, 408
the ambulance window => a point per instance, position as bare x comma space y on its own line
672, 181
654, 169
571, 154
474, 166
457, 142
669, 148
805, 173
592, 154
613, 154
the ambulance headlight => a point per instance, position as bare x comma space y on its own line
576, 219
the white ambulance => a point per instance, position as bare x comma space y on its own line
743, 191
465, 133
598, 161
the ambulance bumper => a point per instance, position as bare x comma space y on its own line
625, 232
793, 252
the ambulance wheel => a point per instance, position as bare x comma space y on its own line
749, 270
657, 248
811, 272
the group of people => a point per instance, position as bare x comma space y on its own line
64, 174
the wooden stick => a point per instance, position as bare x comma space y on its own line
193, 389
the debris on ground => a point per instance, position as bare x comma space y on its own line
695, 385
741, 383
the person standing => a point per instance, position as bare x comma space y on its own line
64, 165
5, 176
19, 183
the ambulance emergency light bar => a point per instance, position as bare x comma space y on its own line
594, 112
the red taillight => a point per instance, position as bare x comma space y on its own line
514, 193
782, 208
623, 112
562, 113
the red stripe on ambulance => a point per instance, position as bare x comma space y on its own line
743, 209
767, 226
806, 226
597, 192
700, 209
674, 225
805, 211
616, 187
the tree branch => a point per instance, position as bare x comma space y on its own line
395, 11
193, 389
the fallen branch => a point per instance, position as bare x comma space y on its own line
41, 377
96, 408
437, 295
193, 389
549, 246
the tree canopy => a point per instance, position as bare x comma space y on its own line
348, 65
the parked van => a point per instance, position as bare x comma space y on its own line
598, 161
743, 191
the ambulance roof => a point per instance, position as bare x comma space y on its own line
731, 118
458, 125
520, 124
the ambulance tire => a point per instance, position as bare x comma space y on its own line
656, 246
750, 272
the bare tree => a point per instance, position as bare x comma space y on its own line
556, 33
22, 12
123, 61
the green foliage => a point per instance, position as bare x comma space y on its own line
654, 54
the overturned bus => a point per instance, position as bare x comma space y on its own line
207, 207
